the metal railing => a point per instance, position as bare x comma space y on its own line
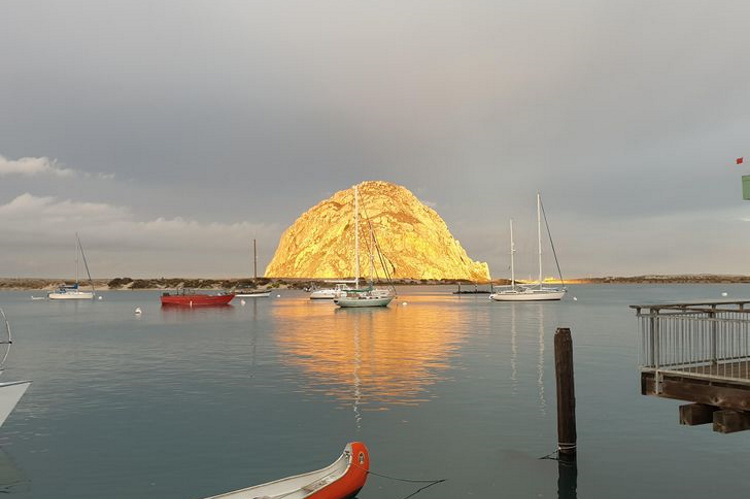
708, 340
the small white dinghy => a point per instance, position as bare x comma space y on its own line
341, 480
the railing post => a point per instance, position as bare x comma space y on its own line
654, 333
712, 317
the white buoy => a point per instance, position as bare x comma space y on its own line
278, 296
724, 293
575, 298
242, 301
403, 303
138, 311
100, 297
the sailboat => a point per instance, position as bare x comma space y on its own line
72, 291
369, 296
531, 292
249, 292
330, 293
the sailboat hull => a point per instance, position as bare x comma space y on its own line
10, 394
363, 301
529, 295
71, 295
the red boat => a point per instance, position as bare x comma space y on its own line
341, 480
189, 298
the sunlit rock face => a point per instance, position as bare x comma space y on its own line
414, 241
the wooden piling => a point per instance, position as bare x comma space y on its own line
567, 479
566, 398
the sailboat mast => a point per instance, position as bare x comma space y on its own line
85, 263
539, 231
372, 252
356, 237
76, 256
255, 260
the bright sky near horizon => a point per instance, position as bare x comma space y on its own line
170, 134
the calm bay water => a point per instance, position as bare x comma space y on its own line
189, 403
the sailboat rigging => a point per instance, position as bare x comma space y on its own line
369, 296
72, 291
537, 291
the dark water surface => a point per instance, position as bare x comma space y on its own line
190, 403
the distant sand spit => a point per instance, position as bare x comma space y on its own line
48, 284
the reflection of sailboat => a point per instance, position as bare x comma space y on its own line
532, 292
11, 477
71, 291
10, 392
369, 296
513, 350
356, 386
540, 363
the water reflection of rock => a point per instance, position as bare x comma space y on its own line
370, 358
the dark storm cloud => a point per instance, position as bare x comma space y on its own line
626, 116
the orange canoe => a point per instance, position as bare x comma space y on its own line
341, 480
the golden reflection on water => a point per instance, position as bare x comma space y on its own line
370, 358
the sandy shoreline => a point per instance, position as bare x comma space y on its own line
124, 284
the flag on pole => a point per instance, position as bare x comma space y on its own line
740, 161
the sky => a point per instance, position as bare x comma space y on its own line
171, 134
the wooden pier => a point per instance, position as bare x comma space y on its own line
699, 352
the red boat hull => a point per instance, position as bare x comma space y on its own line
349, 485
196, 300
341, 480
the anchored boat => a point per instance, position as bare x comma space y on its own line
251, 293
531, 292
341, 480
189, 298
369, 296
330, 293
72, 291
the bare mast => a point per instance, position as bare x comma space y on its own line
356, 237
539, 232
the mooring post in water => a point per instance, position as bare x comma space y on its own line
566, 397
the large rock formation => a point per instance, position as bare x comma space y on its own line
414, 241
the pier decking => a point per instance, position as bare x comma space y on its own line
699, 352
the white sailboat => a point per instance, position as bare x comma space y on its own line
12, 391
530, 292
330, 293
248, 292
72, 291
369, 296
